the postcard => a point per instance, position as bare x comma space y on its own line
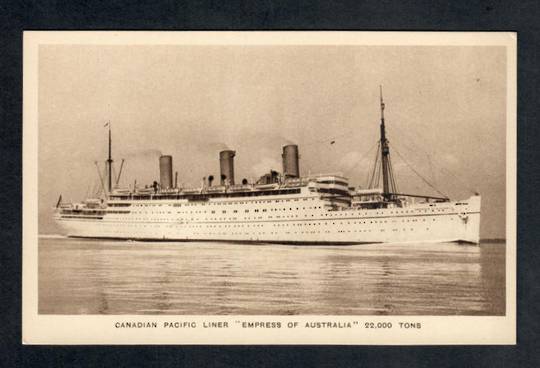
350, 188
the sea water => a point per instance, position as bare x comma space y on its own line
205, 278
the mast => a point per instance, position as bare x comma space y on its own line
110, 160
385, 152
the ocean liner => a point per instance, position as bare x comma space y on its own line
278, 208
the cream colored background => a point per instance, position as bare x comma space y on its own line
101, 330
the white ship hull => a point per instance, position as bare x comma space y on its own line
282, 208
297, 218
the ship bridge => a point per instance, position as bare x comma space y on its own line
333, 188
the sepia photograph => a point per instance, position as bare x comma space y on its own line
247, 181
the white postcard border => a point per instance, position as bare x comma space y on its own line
97, 329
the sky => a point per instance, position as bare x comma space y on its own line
445, 115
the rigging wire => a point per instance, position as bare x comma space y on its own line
431, 171
379, 171
96, 189
417, 173
372, 177
113, 172
392, 179
363, 158
416, 148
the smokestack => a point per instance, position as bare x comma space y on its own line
290, 157
226, 165
165, 172
176, 179
210, 180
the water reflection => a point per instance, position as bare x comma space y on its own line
493, 280
96, 277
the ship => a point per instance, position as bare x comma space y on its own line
284, 208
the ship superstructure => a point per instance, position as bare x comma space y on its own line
279, 207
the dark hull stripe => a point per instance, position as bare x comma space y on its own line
284, 242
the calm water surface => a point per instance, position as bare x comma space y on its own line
114, 277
